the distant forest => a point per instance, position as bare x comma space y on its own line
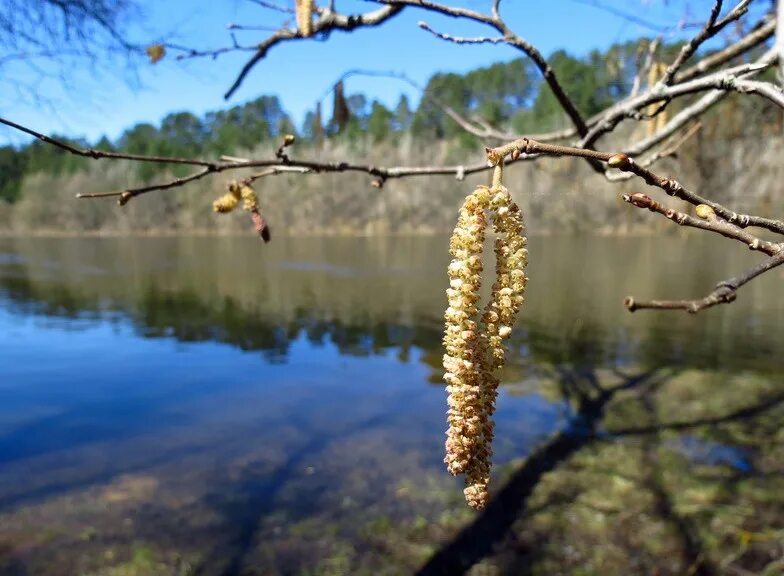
509, 95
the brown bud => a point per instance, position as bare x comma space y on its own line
640, 200
515, 154
288, 139
377, 183
124, 198
618, 161
260, 225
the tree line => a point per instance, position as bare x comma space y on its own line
508, 95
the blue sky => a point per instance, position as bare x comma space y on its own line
102, 100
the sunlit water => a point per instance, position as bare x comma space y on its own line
203, 406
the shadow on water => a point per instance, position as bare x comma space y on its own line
203, 408
481, 537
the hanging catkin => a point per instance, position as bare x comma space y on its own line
228, 201
250, 202
304, 12
474, 349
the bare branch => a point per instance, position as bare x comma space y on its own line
760, 34
273, 6
670, 149
461, 39
513, 40
626, 164
476, 126
712, 27
644, 68
327, 22
724, 293
97, 154
710, 223
722, 80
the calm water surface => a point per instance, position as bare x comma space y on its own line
203, 406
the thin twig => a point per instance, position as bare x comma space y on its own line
328, 21
724, 293
626, 164
710, 223
712, 27
97, 154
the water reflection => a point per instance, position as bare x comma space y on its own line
207, 406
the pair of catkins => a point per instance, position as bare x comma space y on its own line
250, 202
474, 342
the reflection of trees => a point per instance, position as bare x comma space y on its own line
372, 295
193, 312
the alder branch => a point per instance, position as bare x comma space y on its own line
670, 149
700, 79
710, 223
624, 163
762, 32
724, 80
98, 154
725, 292
460, 39
328, 22
511, 39
712, 27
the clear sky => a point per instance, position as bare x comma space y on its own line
105, 101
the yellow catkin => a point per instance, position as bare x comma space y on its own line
228, 201
473, 355
250, 201
304, 12
461, 337
655, 72
498, 318
155, 53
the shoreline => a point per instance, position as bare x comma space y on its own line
211, 233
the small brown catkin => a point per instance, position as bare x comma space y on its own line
474, 350
304, 11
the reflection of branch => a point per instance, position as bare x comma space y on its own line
740, 414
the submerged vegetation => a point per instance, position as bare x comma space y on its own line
624, 444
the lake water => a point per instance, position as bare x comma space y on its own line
223, 407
